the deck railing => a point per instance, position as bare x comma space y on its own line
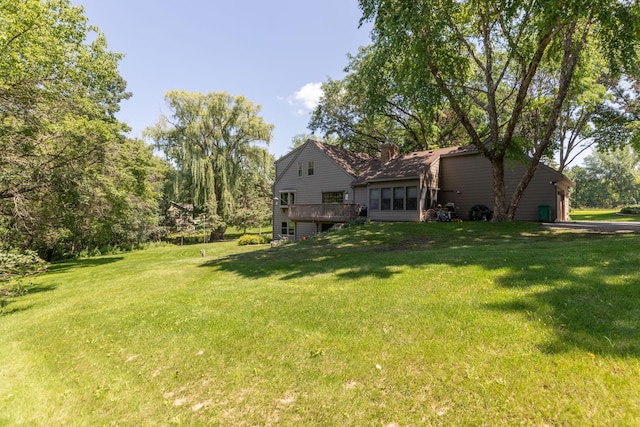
326, 212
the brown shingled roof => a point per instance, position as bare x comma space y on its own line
352, 162
410, 165
369, 168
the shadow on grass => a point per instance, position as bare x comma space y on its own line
368, 251
584, 287
589, 297
36, 289
6, 302
299, 260
5, 310
349, 255
61, 267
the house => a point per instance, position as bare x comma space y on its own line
318, 185
181, 215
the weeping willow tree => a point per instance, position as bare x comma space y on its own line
213, 140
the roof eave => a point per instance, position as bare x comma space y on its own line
391, 178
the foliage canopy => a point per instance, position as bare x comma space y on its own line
496, 64
68, 178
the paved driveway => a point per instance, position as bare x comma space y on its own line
600, 226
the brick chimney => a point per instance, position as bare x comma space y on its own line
388, 152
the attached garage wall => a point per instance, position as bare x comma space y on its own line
467, 180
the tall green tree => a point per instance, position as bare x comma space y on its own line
374, 103
607, 179
112, 203
59, 91
253, 208
108, 204
299, 139
484, 56
601, 110
211, 139
616, 123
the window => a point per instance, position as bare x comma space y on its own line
398, 199
385, 199
288, 228
310, 167
287, 199
412, 199
334, 197
395, 198
299, 169
374, 199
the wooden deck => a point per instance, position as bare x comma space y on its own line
328, 212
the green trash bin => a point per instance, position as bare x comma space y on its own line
544, 213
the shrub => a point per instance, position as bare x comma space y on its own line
253, 239
631, 210
15, 264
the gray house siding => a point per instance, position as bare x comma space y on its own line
361, 195
327, 177
467, 180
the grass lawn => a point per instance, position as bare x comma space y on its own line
382, 324
601, 215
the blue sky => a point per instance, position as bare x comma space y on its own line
276, 53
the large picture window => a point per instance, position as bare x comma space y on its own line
333, 197
398, 199
412, 199
385, 199
374, 199
395, 198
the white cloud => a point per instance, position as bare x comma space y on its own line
307, 98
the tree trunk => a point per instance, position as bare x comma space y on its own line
499, 212
522, 185
216, 235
